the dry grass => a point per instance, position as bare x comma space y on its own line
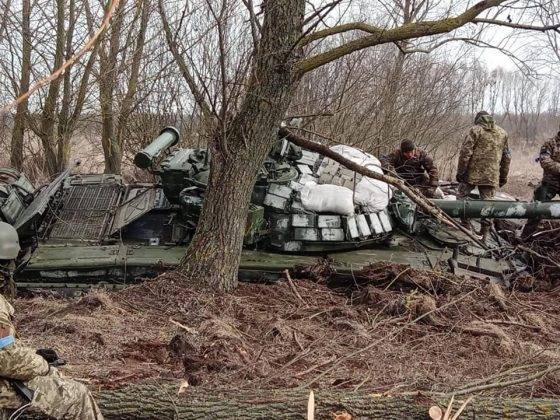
265, 336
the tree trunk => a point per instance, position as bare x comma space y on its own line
48, 117
16, 153
240, 146
161, 401
127, 103
63, 129
107, 82
388, 133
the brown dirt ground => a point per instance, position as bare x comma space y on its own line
404, 329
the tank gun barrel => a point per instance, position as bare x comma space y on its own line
168, 137
499, 209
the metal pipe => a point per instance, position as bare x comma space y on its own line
168, 137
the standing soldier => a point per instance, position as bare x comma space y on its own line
483, 162
9, 250
549, 159
414, 166
27, 378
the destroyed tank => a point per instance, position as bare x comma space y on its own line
84, 229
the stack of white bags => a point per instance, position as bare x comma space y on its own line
339, 189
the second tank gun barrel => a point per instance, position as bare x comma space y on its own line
168, 137
499, 209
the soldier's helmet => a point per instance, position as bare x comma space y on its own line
9, 242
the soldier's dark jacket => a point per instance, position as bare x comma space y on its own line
485, 155
549, 159
411, 170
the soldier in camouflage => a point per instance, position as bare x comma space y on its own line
53, 395
483, 162
414, 166
549, 158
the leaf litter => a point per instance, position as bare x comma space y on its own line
400, 329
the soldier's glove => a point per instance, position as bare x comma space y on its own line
461, 176
503, 181
51, 357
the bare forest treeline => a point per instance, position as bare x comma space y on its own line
119, 96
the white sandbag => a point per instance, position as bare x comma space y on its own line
373, 195
327, 198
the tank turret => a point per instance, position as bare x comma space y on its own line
168, 137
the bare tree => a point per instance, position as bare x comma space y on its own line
16, 152
117, 60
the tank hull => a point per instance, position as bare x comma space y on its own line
59, 266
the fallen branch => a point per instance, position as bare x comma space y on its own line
536, 254
418, 199
389, 336
183, 327
518, 381
293, 287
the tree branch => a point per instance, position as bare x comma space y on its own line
185, 72
346, 27
497, 22
68, 63
382, 36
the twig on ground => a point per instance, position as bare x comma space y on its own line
497, 385
183, 327
536, 254
293, 287
389, 336
515, 323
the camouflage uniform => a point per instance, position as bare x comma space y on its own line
55, 396
418, 171
549, 158
483, 161
8, 286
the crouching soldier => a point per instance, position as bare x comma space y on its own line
549, 158
414, 166
27, 378
483, 162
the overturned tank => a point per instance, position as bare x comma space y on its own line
84, 229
